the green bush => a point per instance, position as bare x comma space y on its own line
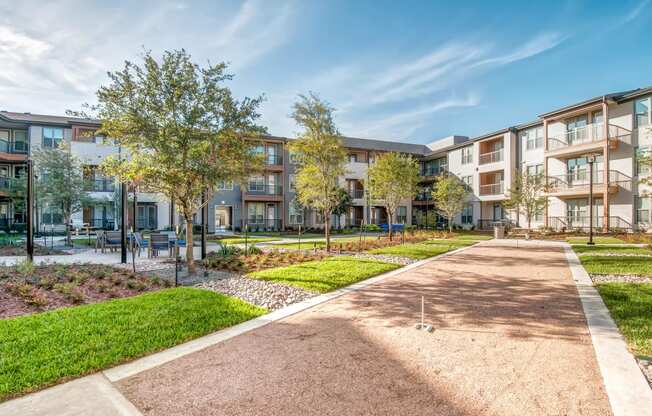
371, 228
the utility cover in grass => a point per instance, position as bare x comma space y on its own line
325, 275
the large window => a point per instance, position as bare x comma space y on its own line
467, 214
532, 138
467, 155
257, 183
468, 182
255, 212
52, 215
643, 112
401, 215
295, 214
52, 137
642, 210
643, 169
225, 186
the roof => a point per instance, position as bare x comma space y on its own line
618, 97
383, 145
46, 119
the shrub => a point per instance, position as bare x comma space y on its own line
25, 267
70, 292
27, 293
134, 284
371, 228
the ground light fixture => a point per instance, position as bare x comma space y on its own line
590, 159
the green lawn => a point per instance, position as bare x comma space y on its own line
325, 275
596, 240
85, 241
420, 250
472, 237
250, 240
322, 243
614, 249
630, 304
641, 266
41, 349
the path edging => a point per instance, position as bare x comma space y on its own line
154, 360
628, 391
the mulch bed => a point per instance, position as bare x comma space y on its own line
22, 251
27, 289
255, 262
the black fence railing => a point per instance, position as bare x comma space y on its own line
262, 189
260, 224
356, 193
100, 185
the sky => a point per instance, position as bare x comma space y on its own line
402, 71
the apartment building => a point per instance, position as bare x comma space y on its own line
611, 130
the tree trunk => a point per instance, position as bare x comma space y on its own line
389, 224
68, 235
190, 259
529, 225
450, 226
327, 230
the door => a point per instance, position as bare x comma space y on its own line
222, 220
271, 216
498, 212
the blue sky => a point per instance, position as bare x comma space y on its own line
405, 71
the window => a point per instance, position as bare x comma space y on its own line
467, 214
225, 186
533, 138
535, 171
468, 182
353, 157
467, 155
294, 158
643, 116
4, 140
52, 215
642, 210
295, 213
401, 215
52, 137
643, 169
257, 183
20, 141
292, 182
255, 212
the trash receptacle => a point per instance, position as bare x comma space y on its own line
499, 231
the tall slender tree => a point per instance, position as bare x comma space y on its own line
321, 158
449, 196
527, 196
182, 129
393, 178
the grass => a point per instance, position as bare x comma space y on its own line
325, 275
630, 304
420, 250
596, 240
322, 243
472, 237
250, 240
620, 265
615, 249
42, 349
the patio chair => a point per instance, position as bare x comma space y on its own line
99, 240
158, 242
112, 240
138, 242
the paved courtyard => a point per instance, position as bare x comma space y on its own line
510, 339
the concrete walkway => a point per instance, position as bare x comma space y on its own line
510, 339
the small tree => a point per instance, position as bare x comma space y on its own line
449, 196
321, 158
182, 129
344, 204
61, 181
393, 178
526, 196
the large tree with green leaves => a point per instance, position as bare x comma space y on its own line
181, 127
527, 196
393, 178
61, 181
321, 158
449, 196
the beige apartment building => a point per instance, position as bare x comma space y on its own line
612, 130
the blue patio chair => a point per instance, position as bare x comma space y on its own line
158, 242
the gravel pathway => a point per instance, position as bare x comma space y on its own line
606, 278
258, 292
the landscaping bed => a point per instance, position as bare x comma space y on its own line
11, 250
422, 250
42, 349
234, 260
27, 289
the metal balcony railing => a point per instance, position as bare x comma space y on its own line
356, 193
588, 134
14, 147
262, 189
582, 221
491, 157
263, 224
100, 185
423, 196
492, 189
434, 171
273, 160
580, 180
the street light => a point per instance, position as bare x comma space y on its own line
590, 159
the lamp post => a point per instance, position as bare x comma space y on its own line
591, 160
30, 212
123, 223
204, 223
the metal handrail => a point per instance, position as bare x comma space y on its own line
262, 189
593, 132
491, 157
492, 189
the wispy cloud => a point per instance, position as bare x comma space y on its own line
635, 12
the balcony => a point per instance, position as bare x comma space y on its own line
273, 160
582, 221
262, 192
21, 148
356, 193
8, 185
100, 185
491, 157
492, 189
579, 183
588, 137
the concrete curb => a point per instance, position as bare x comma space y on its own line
143, 364
628, 391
